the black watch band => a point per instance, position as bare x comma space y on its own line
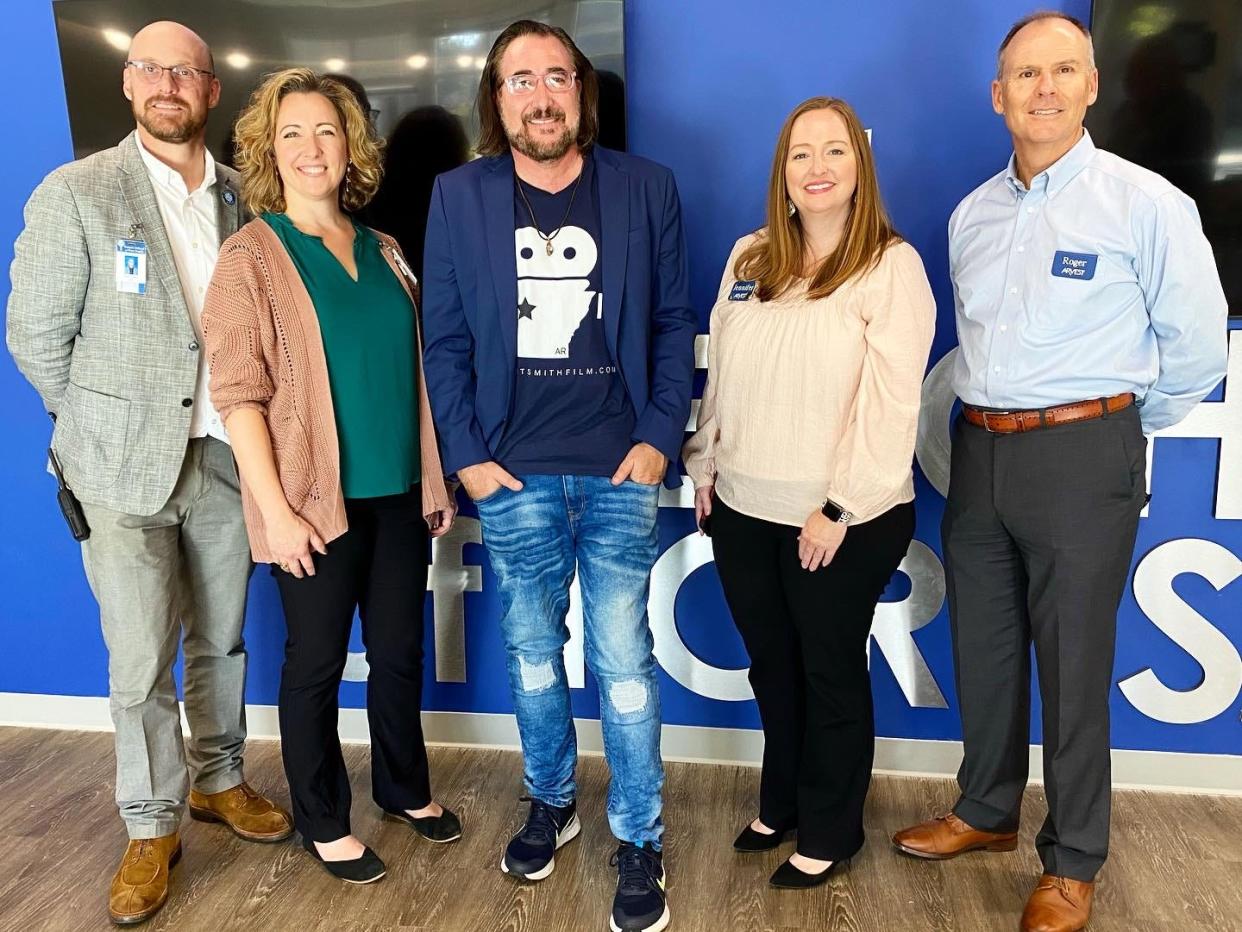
834, 512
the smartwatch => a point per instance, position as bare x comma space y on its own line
834, 512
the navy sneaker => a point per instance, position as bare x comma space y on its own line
640, 904
531, 853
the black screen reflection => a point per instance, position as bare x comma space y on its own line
1169, 101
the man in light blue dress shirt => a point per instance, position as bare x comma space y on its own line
1089, 313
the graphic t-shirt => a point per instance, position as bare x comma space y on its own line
571, 414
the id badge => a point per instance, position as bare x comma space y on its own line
131, 266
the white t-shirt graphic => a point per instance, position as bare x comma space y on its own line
554, 291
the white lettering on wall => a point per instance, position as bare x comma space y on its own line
1222, 667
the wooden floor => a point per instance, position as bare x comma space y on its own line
1176, 861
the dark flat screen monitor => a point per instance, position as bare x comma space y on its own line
407, 54
1171, 100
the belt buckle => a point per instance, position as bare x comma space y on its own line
986, 426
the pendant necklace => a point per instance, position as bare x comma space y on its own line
547, 238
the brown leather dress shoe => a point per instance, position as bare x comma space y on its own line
140, 885
248, 814
947, 836
1058, 904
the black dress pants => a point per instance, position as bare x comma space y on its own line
806, 634
379, 566
1038, 533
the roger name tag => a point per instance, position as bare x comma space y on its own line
131, 266
742, 291
1079, 265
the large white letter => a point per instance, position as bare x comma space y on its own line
895, 623
1222, 667
1217, 420
671, 570
448, 580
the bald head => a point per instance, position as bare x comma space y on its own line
168, 108
165, 38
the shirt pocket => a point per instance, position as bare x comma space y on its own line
1060, 304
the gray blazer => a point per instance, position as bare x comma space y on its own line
117, 370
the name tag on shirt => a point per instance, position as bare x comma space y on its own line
131, 266
1079, 265
742, 291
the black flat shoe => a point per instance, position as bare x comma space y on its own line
366, 869
751, 841
788, 877
441, 829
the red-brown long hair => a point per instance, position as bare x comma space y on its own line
777, 258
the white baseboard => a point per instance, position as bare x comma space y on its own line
1150, 770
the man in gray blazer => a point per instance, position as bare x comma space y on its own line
108, 283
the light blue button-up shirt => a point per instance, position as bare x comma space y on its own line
1097, 280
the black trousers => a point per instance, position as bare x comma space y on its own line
1038, 534
379, 566
806, 634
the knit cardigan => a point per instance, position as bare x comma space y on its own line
265, 351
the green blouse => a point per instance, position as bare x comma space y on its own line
369, 341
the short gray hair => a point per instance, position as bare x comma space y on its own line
1036, 17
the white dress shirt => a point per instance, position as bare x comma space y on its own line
193, 232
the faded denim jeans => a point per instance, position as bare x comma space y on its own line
535, 538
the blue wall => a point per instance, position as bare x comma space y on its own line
710, 83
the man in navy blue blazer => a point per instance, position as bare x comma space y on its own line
559, 361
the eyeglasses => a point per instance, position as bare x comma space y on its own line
558, 82
152, 73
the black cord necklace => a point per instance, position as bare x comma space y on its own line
547, 238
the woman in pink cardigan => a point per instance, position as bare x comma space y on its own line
312, 336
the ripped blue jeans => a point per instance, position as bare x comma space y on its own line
535, 538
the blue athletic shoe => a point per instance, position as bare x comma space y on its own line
531, 853
640, 904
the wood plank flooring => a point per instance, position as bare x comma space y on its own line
1176, 861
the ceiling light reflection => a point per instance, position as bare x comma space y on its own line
117, 39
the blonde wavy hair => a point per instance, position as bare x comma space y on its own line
255, 141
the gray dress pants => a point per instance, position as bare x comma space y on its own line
177, 577
1038, 535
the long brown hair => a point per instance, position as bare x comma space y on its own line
777, 258
492, 137
255, 141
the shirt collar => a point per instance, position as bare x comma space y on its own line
170, 177
1057, 175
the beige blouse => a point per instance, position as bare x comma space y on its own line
813, 399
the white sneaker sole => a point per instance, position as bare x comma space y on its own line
566, 835
659, 924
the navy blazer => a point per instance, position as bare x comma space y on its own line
470, 303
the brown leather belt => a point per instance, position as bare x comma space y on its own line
1018, 422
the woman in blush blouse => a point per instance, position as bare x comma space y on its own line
802, 467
